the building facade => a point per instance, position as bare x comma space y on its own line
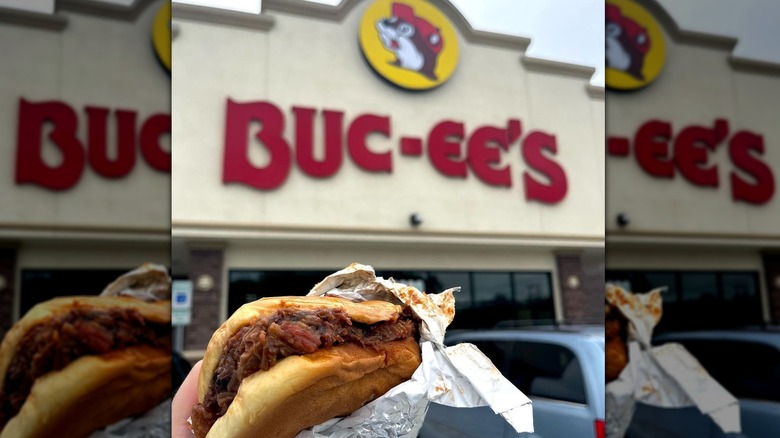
311, 136
85, 179
692, 168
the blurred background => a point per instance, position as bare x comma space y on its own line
525, 250
85, 146
301, 146
691, 192
691, 199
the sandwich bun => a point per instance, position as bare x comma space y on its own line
92, 391
301, 391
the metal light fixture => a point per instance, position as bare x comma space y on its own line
623, 220
415, 219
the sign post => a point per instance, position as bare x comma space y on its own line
181, 310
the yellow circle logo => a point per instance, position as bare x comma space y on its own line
409, 43
161, 35
635, 47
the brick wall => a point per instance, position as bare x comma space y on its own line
582, 299
205, 302
7, 271
771, 273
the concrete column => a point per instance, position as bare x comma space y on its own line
772, 284
7, 281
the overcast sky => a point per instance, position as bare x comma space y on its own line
573, 30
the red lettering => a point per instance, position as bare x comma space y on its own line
484, 159
97, 142
359, 130
30, 167
444, 149
533, 146
237, 167
760, 191
691, 150
155, 127
304, 142
652, 148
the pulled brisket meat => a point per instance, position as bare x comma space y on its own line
285, 333
84, 330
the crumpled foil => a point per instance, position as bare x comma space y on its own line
149, 282
458, 376
667, 376
155, 423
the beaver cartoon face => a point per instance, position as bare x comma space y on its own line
627, 43
415, 42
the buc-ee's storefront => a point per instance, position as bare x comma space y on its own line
692, 164
85, 179
388, 133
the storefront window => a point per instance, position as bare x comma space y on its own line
739, 287
535, 294
39, 285
485, 300
699, 287
441, 281
493, 301
699, 299
246, 286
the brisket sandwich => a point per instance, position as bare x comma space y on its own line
280, 365
73, 365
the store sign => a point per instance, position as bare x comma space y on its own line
452, 149
161, 35
635, 47
60, 122
662, 154
409, 43
181, 302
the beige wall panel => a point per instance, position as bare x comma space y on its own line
317, 63
283, 256
698, 85
87, 63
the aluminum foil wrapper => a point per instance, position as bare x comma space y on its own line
149, 282
458, 376
667, 376
155, 423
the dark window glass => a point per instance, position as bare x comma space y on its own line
533, 297
640, 281
486, 299
738, 287
248, 286
717, 299
39, 285
745, 369
544, 370
412, 278
537, 369
742, 303
698, 287
497, 351
464, 303
441, 281
493, 301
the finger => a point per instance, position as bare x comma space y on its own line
183, 401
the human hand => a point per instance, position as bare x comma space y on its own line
181, 406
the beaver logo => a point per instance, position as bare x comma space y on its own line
627, 43
414, 41
409, 43
635, 47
